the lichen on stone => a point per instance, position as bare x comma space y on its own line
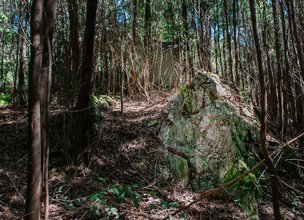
204, 122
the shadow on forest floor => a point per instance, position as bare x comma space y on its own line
126, 153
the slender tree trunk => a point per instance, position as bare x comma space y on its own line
49, 23
215, 49
246, 54
22, 66
34, 183
147, 44
16, 75
207, 46
74, 36
278, 59
263, 118
83, 102
219, 47
186, 37
236, 52
134, 22
286, 82
293, 60
299, 92
147, 36
230, 63
272, 97
224, 57
122, 58
199, 33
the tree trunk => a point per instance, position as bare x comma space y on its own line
186, 37
224, 57
74, 36
286, 82
300, 95
199, 33
21, 84
272, 97
147, 36
215, 49
278, 59
83, 102
236, 52
228, 42
219, 46
49, 23
134, 22
34, 183
263, 117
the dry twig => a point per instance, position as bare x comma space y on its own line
20, 195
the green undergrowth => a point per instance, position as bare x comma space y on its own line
5, 99
247, 190
104, 203
98, 106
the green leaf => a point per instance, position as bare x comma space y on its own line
3, 17
152, 206
136, 199
101, 179
174, 205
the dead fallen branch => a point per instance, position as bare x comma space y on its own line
228, 184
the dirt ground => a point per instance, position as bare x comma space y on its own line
120, 178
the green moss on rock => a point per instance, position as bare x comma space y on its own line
204, 124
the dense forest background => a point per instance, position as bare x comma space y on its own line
66, 53
141, 46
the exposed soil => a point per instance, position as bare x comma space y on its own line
123, 158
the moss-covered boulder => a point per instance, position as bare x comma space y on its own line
99, 105
208, 133
102, 102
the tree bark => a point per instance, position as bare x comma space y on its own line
22, 66
300, 95
186, 37
278, 59
134, 22
83, 101
236, 52
263, 117
228, 41
272, 96
74, 36
49, 23
147, 37
34, 183
286, 82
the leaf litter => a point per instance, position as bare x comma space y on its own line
123, 163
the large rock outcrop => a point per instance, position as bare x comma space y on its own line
208, 133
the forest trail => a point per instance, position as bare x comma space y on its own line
122, 163
129, 143
126, 153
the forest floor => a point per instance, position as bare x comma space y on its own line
120, 178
